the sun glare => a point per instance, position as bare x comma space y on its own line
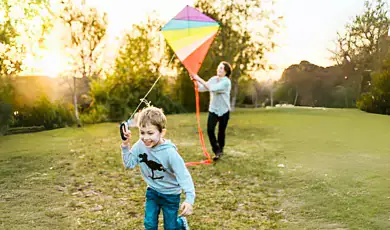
52, 65
48, 64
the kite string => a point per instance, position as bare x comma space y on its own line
143, 100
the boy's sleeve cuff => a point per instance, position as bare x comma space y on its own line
190, 198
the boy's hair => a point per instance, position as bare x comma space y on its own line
227, 67
153, 116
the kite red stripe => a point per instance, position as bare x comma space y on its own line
195, 60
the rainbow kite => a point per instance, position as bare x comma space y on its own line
190, 35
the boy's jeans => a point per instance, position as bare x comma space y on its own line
169, 203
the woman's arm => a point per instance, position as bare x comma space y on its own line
200, 80
221, 86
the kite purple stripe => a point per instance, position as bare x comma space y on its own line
189, 13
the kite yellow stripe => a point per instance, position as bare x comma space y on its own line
178, 39
172, 35
184, 52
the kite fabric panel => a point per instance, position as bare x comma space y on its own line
190, 34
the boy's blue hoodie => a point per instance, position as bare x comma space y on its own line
162, 168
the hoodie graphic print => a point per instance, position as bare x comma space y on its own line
161, 167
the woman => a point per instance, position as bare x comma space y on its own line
219, 108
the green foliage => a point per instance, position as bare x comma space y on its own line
19, 32
136, 69
96, 114
366, 103
247, 91
87, 30
44, 113
5, 116
168, 106
6, 90
311, 85
253, 93
378, 99
360, 45
341, 97
286, 93
184, 91
236, 43
6, 103
363, 46
13, 32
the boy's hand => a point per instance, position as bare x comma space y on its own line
127, 135
186, 209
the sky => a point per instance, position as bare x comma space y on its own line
309, 28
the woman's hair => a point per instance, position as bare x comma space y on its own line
153, 116
227, 67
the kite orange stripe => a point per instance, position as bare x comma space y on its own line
194, 60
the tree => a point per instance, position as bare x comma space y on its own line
363, 51
359, 49
301, 79
244, 37
311, 85
87, 29
286, 93
262, 93
137, 67
22, 23
10, 61
377, 99
6, 99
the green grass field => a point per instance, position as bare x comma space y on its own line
283, 168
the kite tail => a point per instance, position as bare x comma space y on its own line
208, 161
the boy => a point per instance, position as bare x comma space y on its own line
163, 170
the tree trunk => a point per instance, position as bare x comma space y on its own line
271, 92
76, 111
234, 98
254, 98
296, 97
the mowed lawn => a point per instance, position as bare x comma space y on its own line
283, 168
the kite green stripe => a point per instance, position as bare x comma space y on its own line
183, 24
